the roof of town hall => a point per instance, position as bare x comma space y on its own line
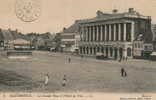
131, 13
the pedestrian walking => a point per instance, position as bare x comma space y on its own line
123, 72
64, 81
46, 80
69, 59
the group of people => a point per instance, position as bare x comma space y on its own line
64, 79
123, 59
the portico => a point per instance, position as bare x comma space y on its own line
112, 34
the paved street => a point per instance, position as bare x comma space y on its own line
83, 74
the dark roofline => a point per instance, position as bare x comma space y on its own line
108, 16
74, 28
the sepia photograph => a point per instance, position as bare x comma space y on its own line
78, 46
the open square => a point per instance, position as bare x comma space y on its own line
82, 74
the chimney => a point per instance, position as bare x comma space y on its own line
9, 29
64, 29
16, 30
114, 11
99, 13
131, 10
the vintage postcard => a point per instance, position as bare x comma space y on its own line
78, 49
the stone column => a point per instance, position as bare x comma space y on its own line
82, 50
93, 50
125, 30
119, 33
114, 32
125, 52
99, 30
86, 32
110, 35
108, 52
132, 31
90, 33
105, 32
97, 33
89, 51
118, 53
82, 33
101, 33
93, 33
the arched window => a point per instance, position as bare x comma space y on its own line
102, 49
129, 52
90, 50
98, 49
111, 52
94, 50
87, 50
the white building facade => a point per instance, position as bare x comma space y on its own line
113, 34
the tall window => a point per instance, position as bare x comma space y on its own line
117, 32
91, 33
129, 52
102, 49
103, 30
128, 32
90, 50
98, 49
122, 31
80, 50
85, 33
112, 32
111, 52
88, 33
107, 26
95, 29
87, 50
99, 33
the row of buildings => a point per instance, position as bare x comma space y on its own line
113, 35
14, 40
69, 38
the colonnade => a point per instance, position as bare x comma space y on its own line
114, 52
108, 32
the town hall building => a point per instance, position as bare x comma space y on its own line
116, 35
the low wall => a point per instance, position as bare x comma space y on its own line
19, 53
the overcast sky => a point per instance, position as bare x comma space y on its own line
57, 14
